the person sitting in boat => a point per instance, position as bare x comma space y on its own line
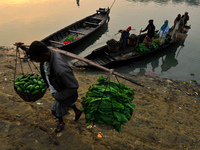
148, 40
185, 18
124, 36
178, 26
163, 32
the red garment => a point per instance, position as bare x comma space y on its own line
66, 42
129, 28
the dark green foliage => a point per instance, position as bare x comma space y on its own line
141, 48
156, 44
108, 103
166, 40
70, 38
156, 36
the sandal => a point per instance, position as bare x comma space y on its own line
59, 127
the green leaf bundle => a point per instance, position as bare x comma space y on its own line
141, 48
108, 103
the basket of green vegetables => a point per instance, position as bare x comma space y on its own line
30, 87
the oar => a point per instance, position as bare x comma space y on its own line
112, 4
179, 51
94, 64
138, 39
120, 32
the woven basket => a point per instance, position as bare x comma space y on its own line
113, 49
30, 97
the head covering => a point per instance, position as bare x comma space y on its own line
37, 48
164, 25
151, 21
129, 28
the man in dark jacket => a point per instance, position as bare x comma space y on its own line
148, 40
124, 37
57, 73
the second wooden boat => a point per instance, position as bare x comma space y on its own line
78, 32
107, 57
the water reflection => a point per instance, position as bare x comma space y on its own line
19, 2
188, 2
170, 60
160, 63
77, 1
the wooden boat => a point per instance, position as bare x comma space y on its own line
107, 58
78, 32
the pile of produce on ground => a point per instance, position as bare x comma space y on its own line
70, 39
108, 102
30, 84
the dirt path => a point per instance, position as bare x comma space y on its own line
166, 117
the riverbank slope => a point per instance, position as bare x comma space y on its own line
166, 116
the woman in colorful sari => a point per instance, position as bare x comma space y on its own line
163, 32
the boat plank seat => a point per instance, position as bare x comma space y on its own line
102, 11
104, 59
77, 32
109, 56
100, 61
96, 18
56, 42
91, 23
81, 63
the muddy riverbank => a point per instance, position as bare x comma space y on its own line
166, 116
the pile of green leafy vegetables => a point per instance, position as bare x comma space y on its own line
156, 44
141, 48
108, 102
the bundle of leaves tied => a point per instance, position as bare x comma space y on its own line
108, 103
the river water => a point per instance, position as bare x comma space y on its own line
26, 21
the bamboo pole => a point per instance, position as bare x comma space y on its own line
96, 65
25, 47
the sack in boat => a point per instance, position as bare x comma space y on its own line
132, 40
181, 36
112, 49
113, 45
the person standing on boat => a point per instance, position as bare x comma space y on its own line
178, 26
163, 32
124, 36
148, 40
185, 18
56, 73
